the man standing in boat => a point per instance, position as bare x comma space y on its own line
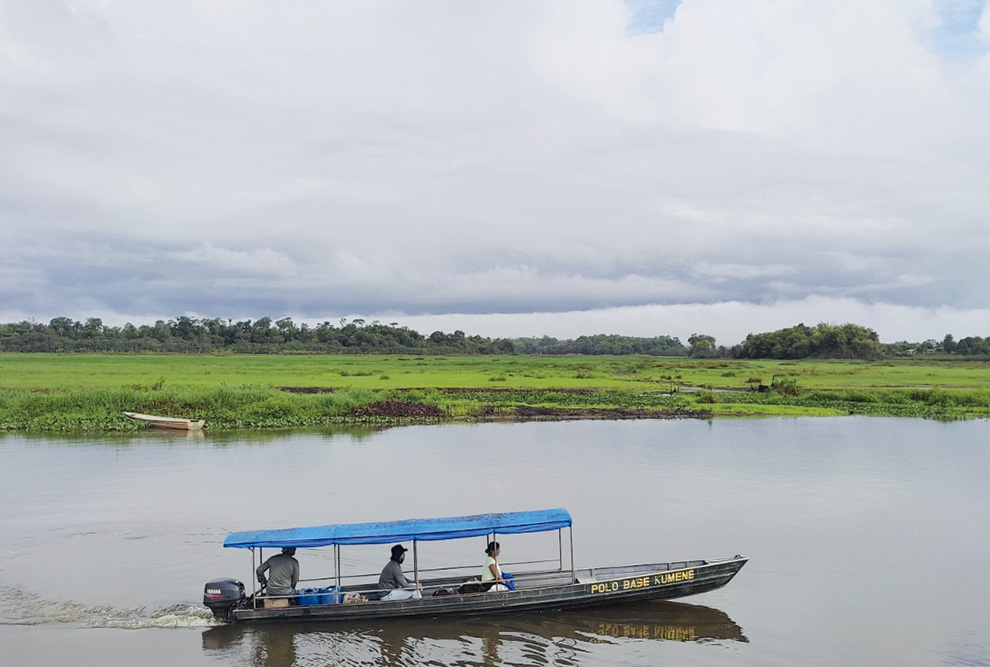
283, 574
393, 585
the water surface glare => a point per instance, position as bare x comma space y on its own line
868, 538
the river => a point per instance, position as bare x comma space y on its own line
869, 539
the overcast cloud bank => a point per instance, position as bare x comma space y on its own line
507, 169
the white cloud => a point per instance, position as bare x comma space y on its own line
249, 159
846, 76
722, 272
729, 322
258, 261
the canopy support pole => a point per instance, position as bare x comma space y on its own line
570, 532
415, 564
254, 581
336, 564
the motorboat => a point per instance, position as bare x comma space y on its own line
544, 584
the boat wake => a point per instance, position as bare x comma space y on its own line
18, 607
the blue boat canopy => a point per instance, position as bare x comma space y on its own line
384, 532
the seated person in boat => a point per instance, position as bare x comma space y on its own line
283, 574
491, 573
393, 585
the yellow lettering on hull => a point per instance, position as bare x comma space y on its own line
605, 587
648, 581
673, 577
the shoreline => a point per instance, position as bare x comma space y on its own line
89, 393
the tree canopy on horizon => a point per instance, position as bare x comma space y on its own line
265, 336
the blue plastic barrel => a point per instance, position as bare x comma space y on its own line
330, 595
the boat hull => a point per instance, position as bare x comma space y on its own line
175, 423
594, 587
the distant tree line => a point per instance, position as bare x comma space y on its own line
847, 341
829, 341
970, 346
265, 336
665, 346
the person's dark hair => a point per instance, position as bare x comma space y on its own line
492, 546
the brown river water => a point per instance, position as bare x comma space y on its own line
869, 540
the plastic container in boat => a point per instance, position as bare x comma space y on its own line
308, 596
329, 595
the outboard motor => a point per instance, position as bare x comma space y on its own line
222, 595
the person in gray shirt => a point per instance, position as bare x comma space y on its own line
393, 585
283, 573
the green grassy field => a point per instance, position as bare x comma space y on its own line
48, 392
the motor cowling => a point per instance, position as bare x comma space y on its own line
222, 595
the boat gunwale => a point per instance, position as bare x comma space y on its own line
716, 572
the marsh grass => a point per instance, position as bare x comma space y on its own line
51, 392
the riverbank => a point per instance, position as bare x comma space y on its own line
67, 393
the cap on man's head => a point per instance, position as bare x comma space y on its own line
289, 550
398, 550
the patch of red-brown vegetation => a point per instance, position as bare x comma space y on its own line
308, 390
527, 412
398, 410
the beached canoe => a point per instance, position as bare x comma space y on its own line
166, 422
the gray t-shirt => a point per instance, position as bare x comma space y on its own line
392, 577
283, 574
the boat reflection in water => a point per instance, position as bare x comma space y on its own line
557, 638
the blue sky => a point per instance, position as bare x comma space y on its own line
515, 168
648, 15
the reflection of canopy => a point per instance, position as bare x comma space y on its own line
383, 532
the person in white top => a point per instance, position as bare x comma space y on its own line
491, 573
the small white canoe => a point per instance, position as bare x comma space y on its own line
167, 422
